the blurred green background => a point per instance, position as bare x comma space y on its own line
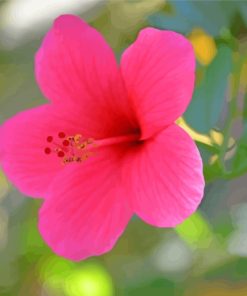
207, 254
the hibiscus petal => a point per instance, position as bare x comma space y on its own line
158, 69
75, 65
23, 139
86, 210
164, 178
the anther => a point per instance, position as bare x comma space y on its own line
77, 138
78, 159
81, 146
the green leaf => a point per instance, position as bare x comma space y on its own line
240, 157
206, 105
175, 23
195, 231
211, 16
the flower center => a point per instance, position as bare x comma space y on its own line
75, 148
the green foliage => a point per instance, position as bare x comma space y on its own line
212, 16
195, 231
207, 102
157, 287
240, 158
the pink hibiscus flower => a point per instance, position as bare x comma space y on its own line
106, 146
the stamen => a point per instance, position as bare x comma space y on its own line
77, 138
70, 148
77, 149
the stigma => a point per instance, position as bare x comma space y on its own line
69, 148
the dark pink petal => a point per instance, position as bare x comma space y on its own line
75, 65
86, 210
164, 178
158, 69
23, 139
